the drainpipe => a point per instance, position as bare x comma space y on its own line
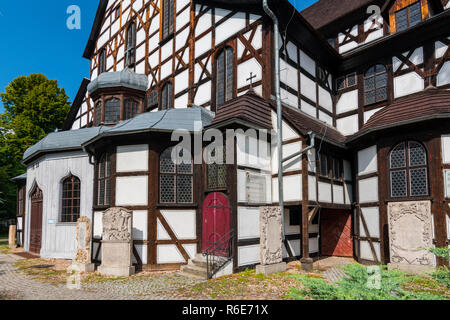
279, 109
312, 143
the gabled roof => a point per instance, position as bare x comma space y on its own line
432, 103
19, 179
96, 27
76, 104
249, 108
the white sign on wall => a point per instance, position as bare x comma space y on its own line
256, 188
447, 183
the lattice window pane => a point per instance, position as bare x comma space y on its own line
370, 83
401, 19
415, 15
398, 157
166, 163
98, 113
112, 111
184, 189
220, 79
381, 94
419, 185
340, 83
351, 80
229, 72
398, 184
167, 189
370, 97
417, 155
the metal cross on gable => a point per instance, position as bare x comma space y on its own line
252, 76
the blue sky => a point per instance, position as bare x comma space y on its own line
35, 39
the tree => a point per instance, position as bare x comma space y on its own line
34, 107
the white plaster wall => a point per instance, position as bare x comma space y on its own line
249, 255
367, 161
325, 192
368, 190
372, 218
132, 191
366, 252
347, 102
407, 84
132, 158
248, 223
307, 63
292, 188
348, 125
182, 223
445, 141
443, 77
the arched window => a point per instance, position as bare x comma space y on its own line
167, 23
408, 170
176, 180
225, 75
102, 61
112, 111
98, 114
104, 180
167, 96
375, 84
131, 109
130, 53
71, 195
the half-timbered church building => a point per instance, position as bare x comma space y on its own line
364, 89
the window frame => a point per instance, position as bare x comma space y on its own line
408, 168
130, 46
130, 112
73, 216
175, 174
102, 61
407, 9
376, 89
106, 157
115, 112
169, 19
228, 66
166, 97
217, 168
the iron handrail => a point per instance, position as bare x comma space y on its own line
215, 263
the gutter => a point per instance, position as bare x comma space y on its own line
279, 110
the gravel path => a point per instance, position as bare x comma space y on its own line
15, 285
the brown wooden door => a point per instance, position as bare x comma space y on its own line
36, 221
336, 233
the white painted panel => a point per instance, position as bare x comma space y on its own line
447, 184
324, 192
244, 70
181, 102
166, 50
140, 225
369, 114
307, 63
181, 81
296, 163
248, 223
191, 250
292, 51
325, 118
308, 108
348, 126
368, 190
131, 191
308, 87
292, 188
290, 229
203, 94
445, 140
347, 47
204, 23
443, 77
347, 102
289, 99
367, 161
169, 254
407, 84
348, 193
325, 99
142, 251
372, 218
249, 255
366, 252
98, 225
288, 132
312, 191
338, 194
313, 245
182, 223
183, 19
230, 27
289, 75
132, 158
202, 45
166, 69
440, 49
161, 232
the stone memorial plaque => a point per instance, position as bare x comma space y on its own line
82, 262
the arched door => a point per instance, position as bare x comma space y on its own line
216, 219
36, 221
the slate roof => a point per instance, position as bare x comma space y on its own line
432, 103
22, 177
249, 108
124, 78
61, 141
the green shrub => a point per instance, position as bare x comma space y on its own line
443, 253
442, 276
356, 286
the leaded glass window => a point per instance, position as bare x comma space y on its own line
102, 61
112, 111
408, 17
98, 114
104, 180
375, 84
217, 172
176, 179
131, 109
409, 170
167, 23
152, 101
71, 190
167, 96
225, 76
130, 54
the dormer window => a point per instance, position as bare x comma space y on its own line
130, 54
408, 17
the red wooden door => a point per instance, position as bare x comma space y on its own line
216, 220
36, 221
336, 233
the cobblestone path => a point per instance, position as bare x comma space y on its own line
15, 285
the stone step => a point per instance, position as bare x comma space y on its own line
192, 270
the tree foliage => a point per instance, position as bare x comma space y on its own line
34, 107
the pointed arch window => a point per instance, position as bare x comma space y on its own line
131, 109
130, 54
225, 76
102, 61
167, 23
176, 180
104, 180
167, 96
408, 170
112, 111
71, 195
375, 84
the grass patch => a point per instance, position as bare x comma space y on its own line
394, 285
43, 271
247, 285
